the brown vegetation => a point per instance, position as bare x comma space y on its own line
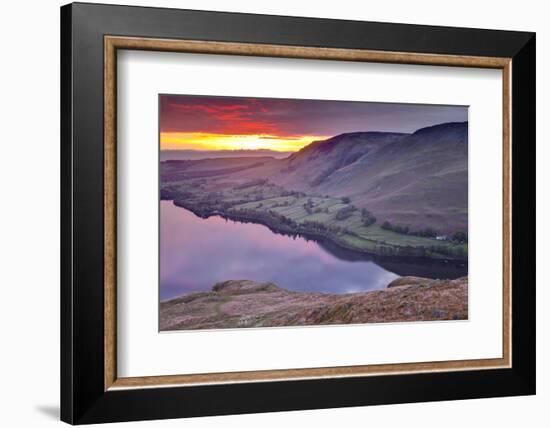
242, 303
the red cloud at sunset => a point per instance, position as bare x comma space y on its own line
216, 115
215, 122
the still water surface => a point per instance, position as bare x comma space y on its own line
196, 253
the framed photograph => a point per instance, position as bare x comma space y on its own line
266, 213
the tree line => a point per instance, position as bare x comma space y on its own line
428, 232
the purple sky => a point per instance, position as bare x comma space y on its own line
288, 117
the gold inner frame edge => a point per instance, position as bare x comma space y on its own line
113, 43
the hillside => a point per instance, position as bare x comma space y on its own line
242, 303
374, 192
418, 180
313, 167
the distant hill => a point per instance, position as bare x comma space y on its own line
212, 154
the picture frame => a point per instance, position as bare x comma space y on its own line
91, 390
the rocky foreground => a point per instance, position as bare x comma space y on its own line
242, 303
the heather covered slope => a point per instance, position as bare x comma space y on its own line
242, 303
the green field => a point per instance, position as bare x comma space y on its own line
360, 237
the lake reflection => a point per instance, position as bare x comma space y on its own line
196, 253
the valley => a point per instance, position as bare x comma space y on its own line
389, 194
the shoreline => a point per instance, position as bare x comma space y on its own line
309, 234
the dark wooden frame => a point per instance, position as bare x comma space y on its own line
114, 43
89, 33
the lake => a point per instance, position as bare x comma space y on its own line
195, 253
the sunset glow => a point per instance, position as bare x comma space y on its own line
206, 141
195, 122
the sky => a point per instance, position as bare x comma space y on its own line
240, 123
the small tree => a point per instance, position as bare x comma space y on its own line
428, 232
367, 217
